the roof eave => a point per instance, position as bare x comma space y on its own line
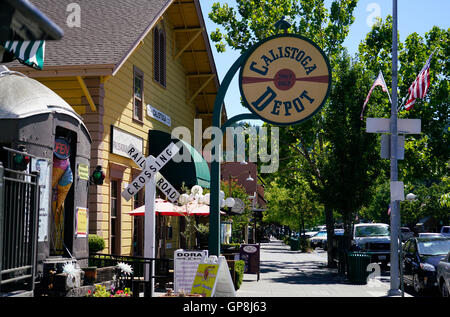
208, 49
141, 38
67, 70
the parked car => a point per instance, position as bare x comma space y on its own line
406, 233
337, 232
445, 231
421, 256
374, 238
443, 276
317, 240
315, 230
429, 234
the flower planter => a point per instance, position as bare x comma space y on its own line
90, 275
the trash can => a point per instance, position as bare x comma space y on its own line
295, 244
357, 267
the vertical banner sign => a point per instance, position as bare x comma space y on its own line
285, 79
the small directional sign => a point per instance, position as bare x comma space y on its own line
404, 126
151, 166
385, 149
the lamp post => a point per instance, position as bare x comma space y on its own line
395, 204
248, 179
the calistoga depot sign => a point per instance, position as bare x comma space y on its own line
285, 79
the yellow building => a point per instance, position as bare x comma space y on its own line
128, 68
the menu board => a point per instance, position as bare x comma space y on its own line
250, 253
185, 267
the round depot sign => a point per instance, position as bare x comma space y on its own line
285, 79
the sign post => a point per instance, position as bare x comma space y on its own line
150, 166
284, 80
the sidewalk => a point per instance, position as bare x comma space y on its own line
286, 273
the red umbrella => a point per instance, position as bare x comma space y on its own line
166, 208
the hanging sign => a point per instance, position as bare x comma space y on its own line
285, 79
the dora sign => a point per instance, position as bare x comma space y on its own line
285, 79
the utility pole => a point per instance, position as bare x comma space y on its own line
395, 204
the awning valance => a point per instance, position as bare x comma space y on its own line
194, 172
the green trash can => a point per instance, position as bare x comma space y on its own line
295, 244
357, 267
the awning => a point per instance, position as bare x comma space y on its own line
166, 208
194, 172
30, 53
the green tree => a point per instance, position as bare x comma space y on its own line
254, 20
240, 221
425, 166
425, 154
291, 206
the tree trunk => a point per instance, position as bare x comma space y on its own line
329, 221
348, 220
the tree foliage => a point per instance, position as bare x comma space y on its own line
331, 155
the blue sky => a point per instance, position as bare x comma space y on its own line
413, 16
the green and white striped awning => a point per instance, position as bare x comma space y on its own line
30, 53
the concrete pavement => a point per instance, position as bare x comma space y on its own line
286, 273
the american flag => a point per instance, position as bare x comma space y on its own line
378, 82
420, 86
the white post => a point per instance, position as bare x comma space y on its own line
149, 231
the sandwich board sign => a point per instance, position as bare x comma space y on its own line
185, 267
213, 279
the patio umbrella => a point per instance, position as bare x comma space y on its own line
166, 208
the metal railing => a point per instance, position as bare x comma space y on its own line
137, 281
19, 206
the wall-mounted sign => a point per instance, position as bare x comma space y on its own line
285, 79
120, 140
159, 116
44, 168
82, 222
83, 171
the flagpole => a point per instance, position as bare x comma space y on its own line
395, 205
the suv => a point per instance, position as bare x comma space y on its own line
406, 233
373, 238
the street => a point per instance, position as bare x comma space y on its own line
286, 273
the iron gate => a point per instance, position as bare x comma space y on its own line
19, 206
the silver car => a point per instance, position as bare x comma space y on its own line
443, 275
